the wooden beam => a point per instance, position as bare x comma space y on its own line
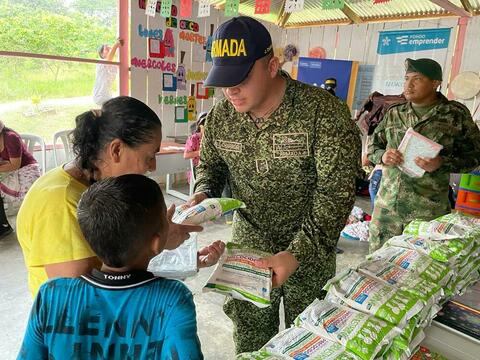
347, 10
317, 23
467, 6
282, 16
370, 20
447, 5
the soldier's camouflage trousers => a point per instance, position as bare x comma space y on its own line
385, 224
254, 326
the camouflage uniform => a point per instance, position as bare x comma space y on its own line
297, 177
401, 198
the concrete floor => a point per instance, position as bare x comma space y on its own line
214, 328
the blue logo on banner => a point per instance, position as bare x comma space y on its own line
392, 42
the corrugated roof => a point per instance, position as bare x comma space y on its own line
359, 11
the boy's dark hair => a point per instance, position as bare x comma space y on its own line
123, 117
119, 215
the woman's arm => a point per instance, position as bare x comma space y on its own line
72, 268
11, 165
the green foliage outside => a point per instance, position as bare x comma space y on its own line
51, 27
46, 122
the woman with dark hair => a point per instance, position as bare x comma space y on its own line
18, 171
121, 138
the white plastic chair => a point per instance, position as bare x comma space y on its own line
31, 141
65, 136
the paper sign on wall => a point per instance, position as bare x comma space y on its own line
203, 8
231, 7
192, 104
185, 8
151, 7
293, 6
181, 115
169, 82
166, 8
262, 6
333, 4
202, 92
156, 48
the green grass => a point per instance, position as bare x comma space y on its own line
22, 79
44, 124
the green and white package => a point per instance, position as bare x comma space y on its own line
360, 333
238, 275
259, 355
208, 210
427, 291
450, 225
371, 296
299, 344
412, 260
444, 250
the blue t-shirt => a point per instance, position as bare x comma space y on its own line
130, 315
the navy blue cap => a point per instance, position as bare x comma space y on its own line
236, 45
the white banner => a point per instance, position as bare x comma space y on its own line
396, 46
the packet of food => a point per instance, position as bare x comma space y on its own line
360, 333
178, 263
445, 250
412, 260
259, 355
446, 226
238, 275
427, 291
208, 210
181, 262
371, 296
299, 344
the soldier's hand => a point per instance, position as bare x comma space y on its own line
178, 233
283, 264
392, 157
210, 254
429, 164
196, 198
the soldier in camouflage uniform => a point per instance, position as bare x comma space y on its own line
402, 198
290, 152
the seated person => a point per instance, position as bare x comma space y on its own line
120, 311
18, 171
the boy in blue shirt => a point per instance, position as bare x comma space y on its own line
121, 311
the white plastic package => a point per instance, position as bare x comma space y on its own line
360, 333
208, 210
181, 262
371, 296
238, 275
298, 343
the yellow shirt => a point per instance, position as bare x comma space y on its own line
47, 226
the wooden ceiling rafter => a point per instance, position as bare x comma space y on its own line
352, 15
450, 7
282, 16
467, 6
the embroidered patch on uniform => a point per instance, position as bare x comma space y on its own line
290, 145
229, 146
262, 166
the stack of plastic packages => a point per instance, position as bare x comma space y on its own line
379, 309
